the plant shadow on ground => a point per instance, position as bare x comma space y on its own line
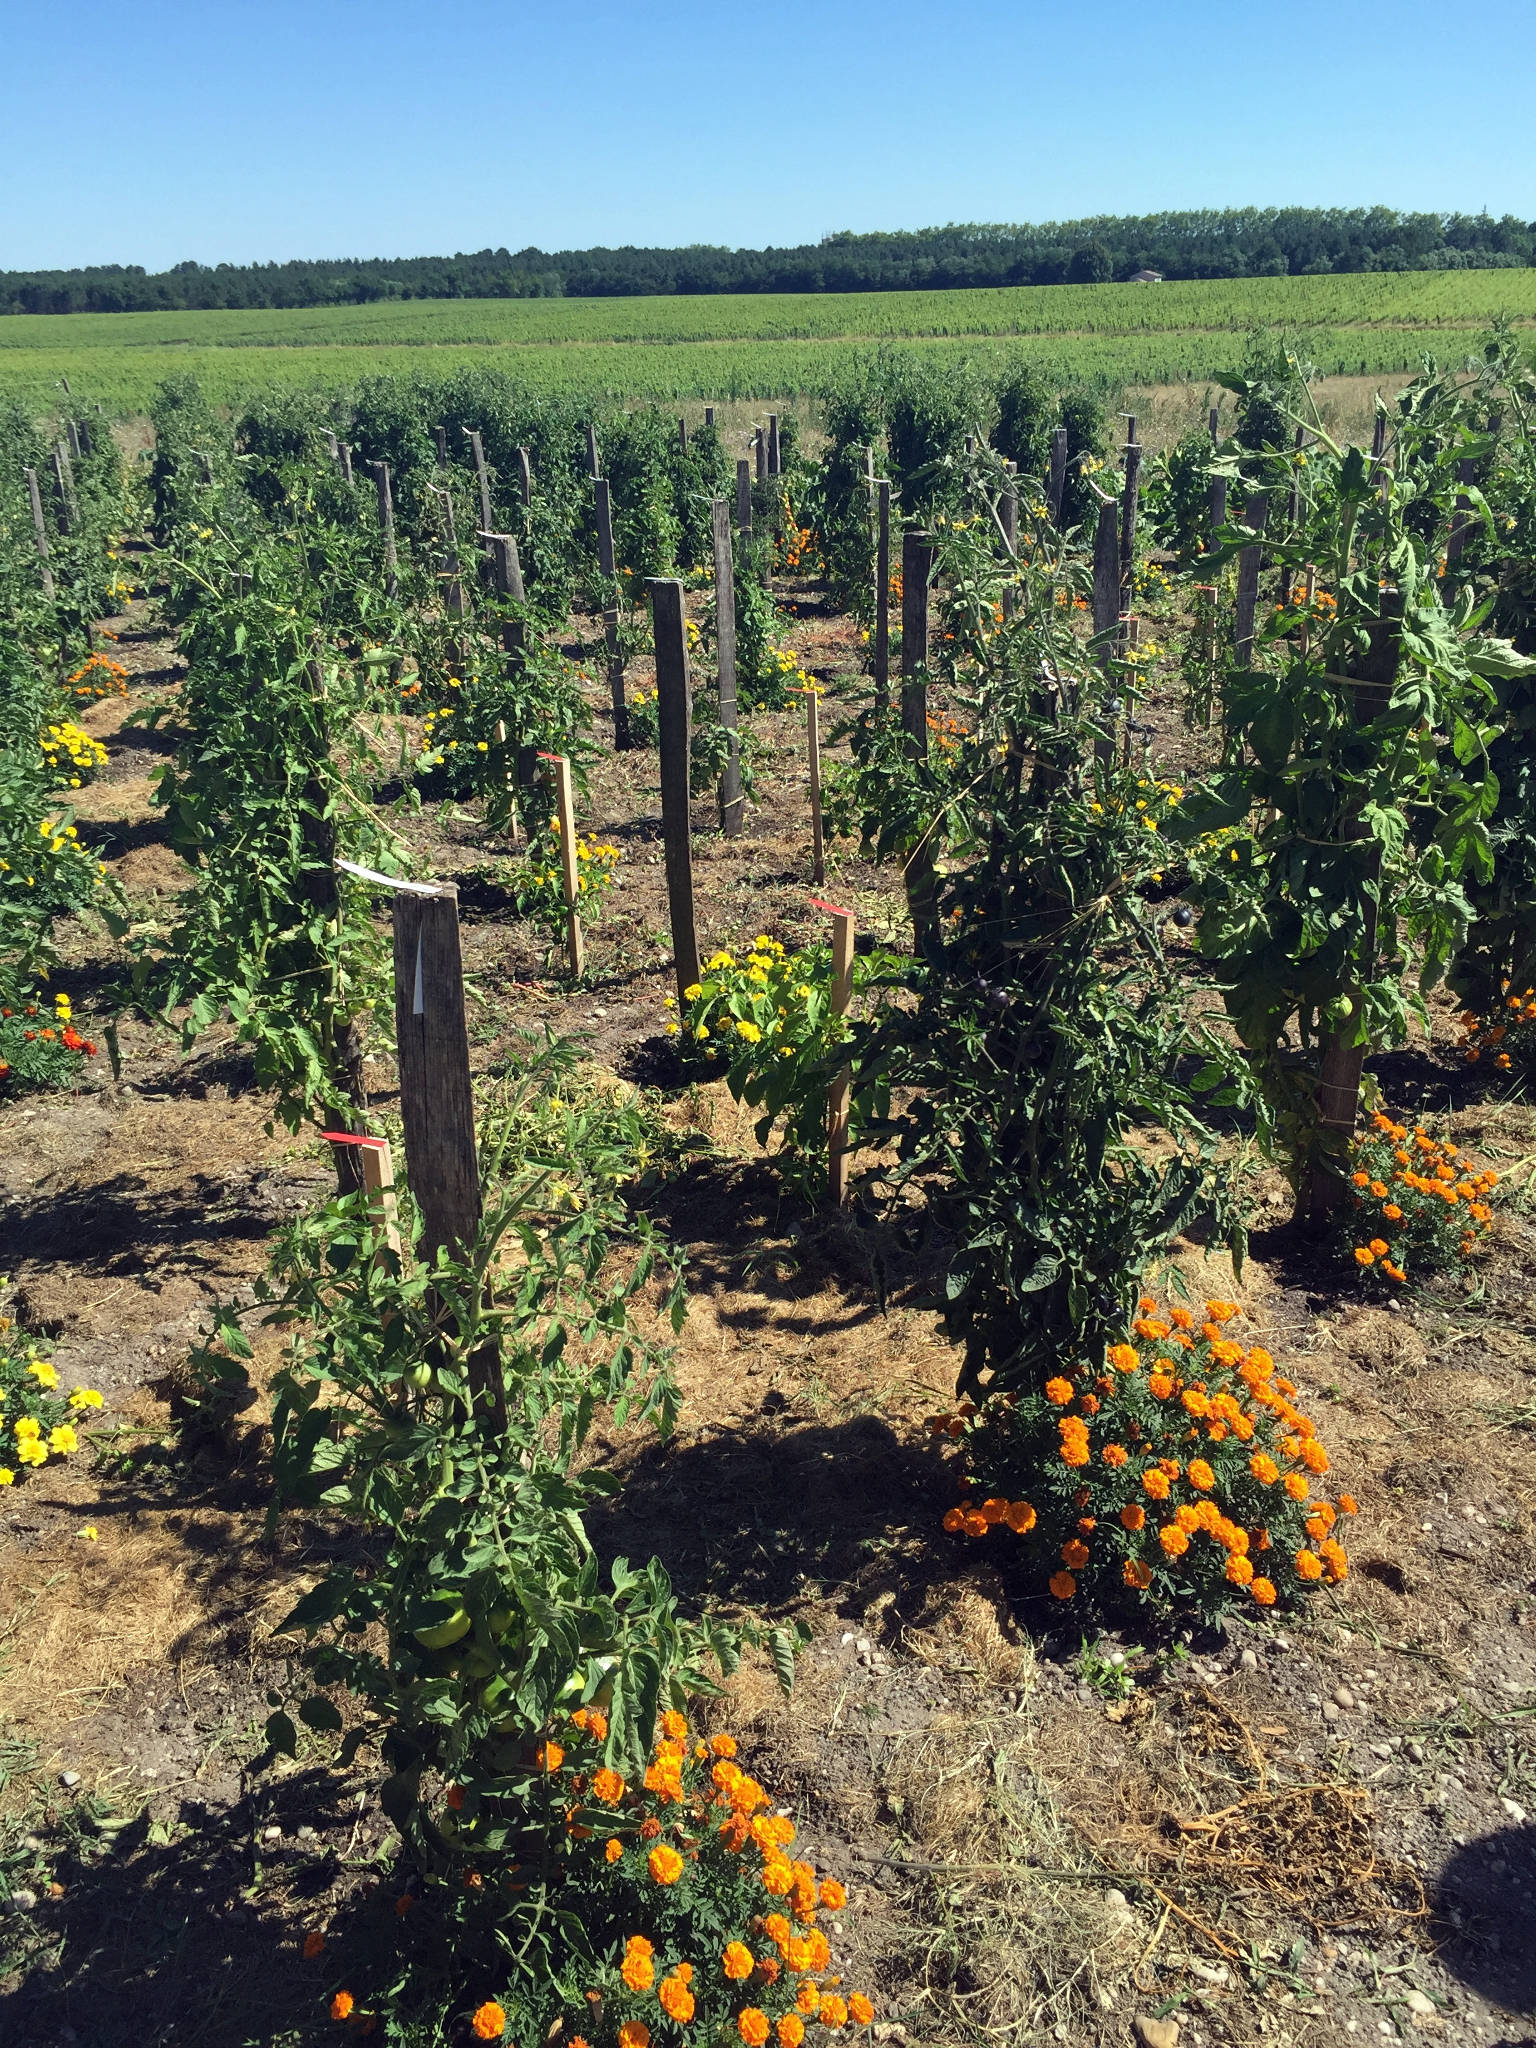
154, 1941
110, 1218
1486, 1897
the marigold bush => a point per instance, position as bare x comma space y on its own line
672, 1907
39, 1048
37, 1424
1414, 1201
1178, 1475
1506, 1038
540, 883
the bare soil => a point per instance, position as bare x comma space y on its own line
1303, 1829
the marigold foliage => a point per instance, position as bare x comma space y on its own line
1414, 1201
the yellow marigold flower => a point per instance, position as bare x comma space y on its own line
62, 1441
691, 995
737, 1961
85, 1397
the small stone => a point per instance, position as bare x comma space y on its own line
1330, 1711
69, 1778
1416, 1752
1342, 1696
1381, 1749
271, 1834
1514, 1809
306, 1834
1153, 2033
23, 1901
1249, 1660
1416, 2002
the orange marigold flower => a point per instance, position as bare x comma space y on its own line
954, 1521
860, 2009
650, 1828
673, 1725
834, 1896
975, 1523
314, 1944
1115, 1454
1313, 1456
597, 1725
1364, 1256
1239, 1570
737, 1961
1063, 1585
1059, 1390
777, 1876
551, 1756
722, 1745
676, 1999
1308, 1566
1133, 1515
752, 2025
1195, 1402
613, 1849
1124, 1357
1348, 1505
1263, 1592
821, 1952
634, 2034
665, 1865
790, 2030
638, 1969
1161, 1385
1020, 1517
489, 2022
1074, 1554
1173, 1539
1180, 1318
1074, 1451
1264, 1468
833, 2012
1296, 1486
1136, 1574
1200, 1474
1155, 1480
808, 1997
341, 2005
994, 1510
1188, 1518
609, 1787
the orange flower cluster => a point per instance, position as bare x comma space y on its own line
99, 678
1506, 1036
1167, 1474
1414, 1197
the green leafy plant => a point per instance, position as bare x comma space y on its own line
37, 1424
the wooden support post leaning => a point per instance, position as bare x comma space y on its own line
744, 499
40, 531
674, 717
732, 803
387, 528
593, 465
346, 464
1008, 519
813, 764
74, 440
1249, 563
559, 767
773, 445
1055, 490
440, 436
841, 1088
525, 478
918, 875
882, 594
482, 479
63, 481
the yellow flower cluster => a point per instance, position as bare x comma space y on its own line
69, 752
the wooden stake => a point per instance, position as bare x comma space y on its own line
440, 435
74, 439
709, 415
761, 446
1056, 488
1106, 571
507, 581
773, 445
916, 563
674, 717
453, 588
882, 593
682, 435
387, 528
838, 1093
813, 762
437, 1103
1008, 518
744, 499
732, 804
1249, 563
1129, 506
604, 504
593, 465
482, 478
346, 464
40, 531
1214, 422
1218, 505
61, 477
565, 813
378, 1175
525, 478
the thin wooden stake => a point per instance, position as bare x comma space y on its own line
346, 464
732, 803
682, 436
1214, 422
440, 436
1249, 563
709, 415
507, 581
813, 763
1056, 488
437, 1103
62, 478
774, 468
744, 499
482, 478
603, 500
594, 467
570, 874
453, 588
916, 563
841, 1088
760, 442
74, 439
674, 718
882, 594
387, 528
376, 1161
1129, 505
40, 531
1008, 518
525, 478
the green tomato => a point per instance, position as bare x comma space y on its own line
441, 1635
420, 1377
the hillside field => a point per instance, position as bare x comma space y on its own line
761, 346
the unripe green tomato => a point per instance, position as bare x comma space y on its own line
420, 1377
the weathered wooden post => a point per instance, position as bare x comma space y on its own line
1218, 483
346, 464
453, 591
1008, 520
774, 468
437, 1103
440, 436
709, 415
732, 803
883, 593
682, 436
674, 720
73, 432
525, 478
1106, 571
1056, 487
1129, 506
813, 764
594, 467
64, 483
387, 528
602, 498
482, 478
1249, 563
760, 446
570, 875
744, 499
1214, 422
841, 1088
918, 874
507, 581
40, 531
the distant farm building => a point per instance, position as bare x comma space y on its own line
1145, 277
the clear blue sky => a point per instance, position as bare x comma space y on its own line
255, 129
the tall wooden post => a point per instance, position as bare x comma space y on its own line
1293, 517
916, 563
1106, 572
674, 717
682, 436
603, 503
387, 528
1214, 422
440, 436
1129, 506
813, 766
482, 478
570, 867
593, 465
64, 481
507, 581
1218, 505
732, 804
453, 588
760, 445
882, 593
838, 1093
40, 531
744, 499
1249, 563
1008, 520
525, 478
1056, 488
346, 464
774, 468
73, 432
437, 1103
709, 415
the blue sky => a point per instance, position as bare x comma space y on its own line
257, 129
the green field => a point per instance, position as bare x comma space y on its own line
751, 346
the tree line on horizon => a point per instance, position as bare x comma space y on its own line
1213, 244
